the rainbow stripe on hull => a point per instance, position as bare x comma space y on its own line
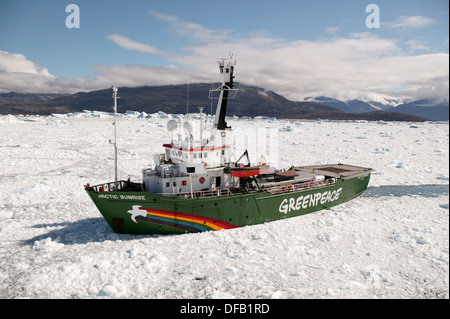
188, 222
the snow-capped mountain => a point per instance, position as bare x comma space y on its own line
433, 109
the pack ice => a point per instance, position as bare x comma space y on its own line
391, 242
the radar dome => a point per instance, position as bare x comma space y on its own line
172, 125
188, 126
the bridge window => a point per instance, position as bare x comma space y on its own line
190, 169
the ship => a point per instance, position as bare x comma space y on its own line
195, 185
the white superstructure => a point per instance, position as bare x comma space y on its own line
196, 163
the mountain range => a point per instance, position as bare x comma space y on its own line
250, 101
432, 109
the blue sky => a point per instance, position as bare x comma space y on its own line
296, 48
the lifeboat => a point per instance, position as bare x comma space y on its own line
246, 171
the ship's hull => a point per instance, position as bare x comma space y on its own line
150, 213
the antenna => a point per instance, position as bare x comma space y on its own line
114, 95
226, 69
187, 99
212, 87
201, 126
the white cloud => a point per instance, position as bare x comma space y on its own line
130, 44
411, 22
331, 30
17, 63
342, 68
19, 74
354, 67
192, 30
416, 45
139, 75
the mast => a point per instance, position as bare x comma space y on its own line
226, 68
114, 95
201, 127
187, 100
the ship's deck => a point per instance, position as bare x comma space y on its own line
306, 177
335, 170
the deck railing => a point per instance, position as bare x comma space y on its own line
273, 189
219, 192
279, 189
125, 186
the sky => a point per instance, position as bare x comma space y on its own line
299, 49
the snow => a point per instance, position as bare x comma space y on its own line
391, 242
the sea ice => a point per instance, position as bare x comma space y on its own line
391, 242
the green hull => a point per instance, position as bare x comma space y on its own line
149, 213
